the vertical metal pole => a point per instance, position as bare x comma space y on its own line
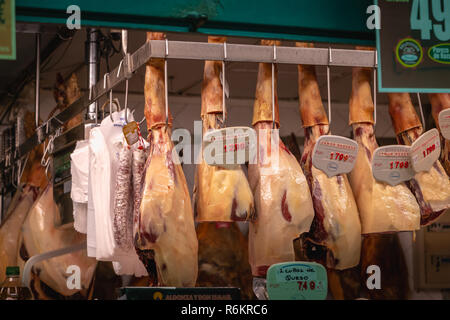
421, 111
328, 86
38, 76
93, 67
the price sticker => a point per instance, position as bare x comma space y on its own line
297, 281
444, 123
335, 155
392, 164
425, 151
131, 132
229, 147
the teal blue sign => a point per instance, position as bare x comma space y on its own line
297, 281
413, 44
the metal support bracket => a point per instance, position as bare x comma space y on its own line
201, 51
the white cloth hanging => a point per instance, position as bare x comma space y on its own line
104, 144
91, 234
79, 169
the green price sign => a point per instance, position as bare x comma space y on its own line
413, 45
297, 281
7, 29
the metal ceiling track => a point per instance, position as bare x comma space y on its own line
198, 51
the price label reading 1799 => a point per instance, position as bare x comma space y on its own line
420, 18
338, 156
429, 150
399, 164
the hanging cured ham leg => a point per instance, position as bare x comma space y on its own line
10, 229
431, 188
439, 102
283, 202
43, 232
336, 224
166, 222
220, 194
382, 208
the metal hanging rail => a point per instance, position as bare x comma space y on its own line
197, 51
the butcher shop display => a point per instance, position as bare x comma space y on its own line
284, 208
336, 226
166, 230
431, 188
220, 194
382, 207
102, 199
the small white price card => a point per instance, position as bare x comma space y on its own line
229, 147
444, 123
425, 151
334, 155
392, 164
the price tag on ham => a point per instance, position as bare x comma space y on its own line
334, 155
425, 151
229, 147
444, 123
297, 281
392, 164
131, 132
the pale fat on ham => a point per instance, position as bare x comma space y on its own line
382, 207
283, 202
165, 239
336, 226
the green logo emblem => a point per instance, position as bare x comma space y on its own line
440, 53
409, 53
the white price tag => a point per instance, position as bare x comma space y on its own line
425, 151
444, 123
392, 164
334, 154
229, 147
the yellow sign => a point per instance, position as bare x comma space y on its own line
7, 29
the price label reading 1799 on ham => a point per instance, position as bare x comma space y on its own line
334, 155
425, 150
391, 164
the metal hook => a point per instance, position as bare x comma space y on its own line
273, 85
106, 75
223, 82
329, 85
126, 101
120, 67
166, 84
375, 90
421, 110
